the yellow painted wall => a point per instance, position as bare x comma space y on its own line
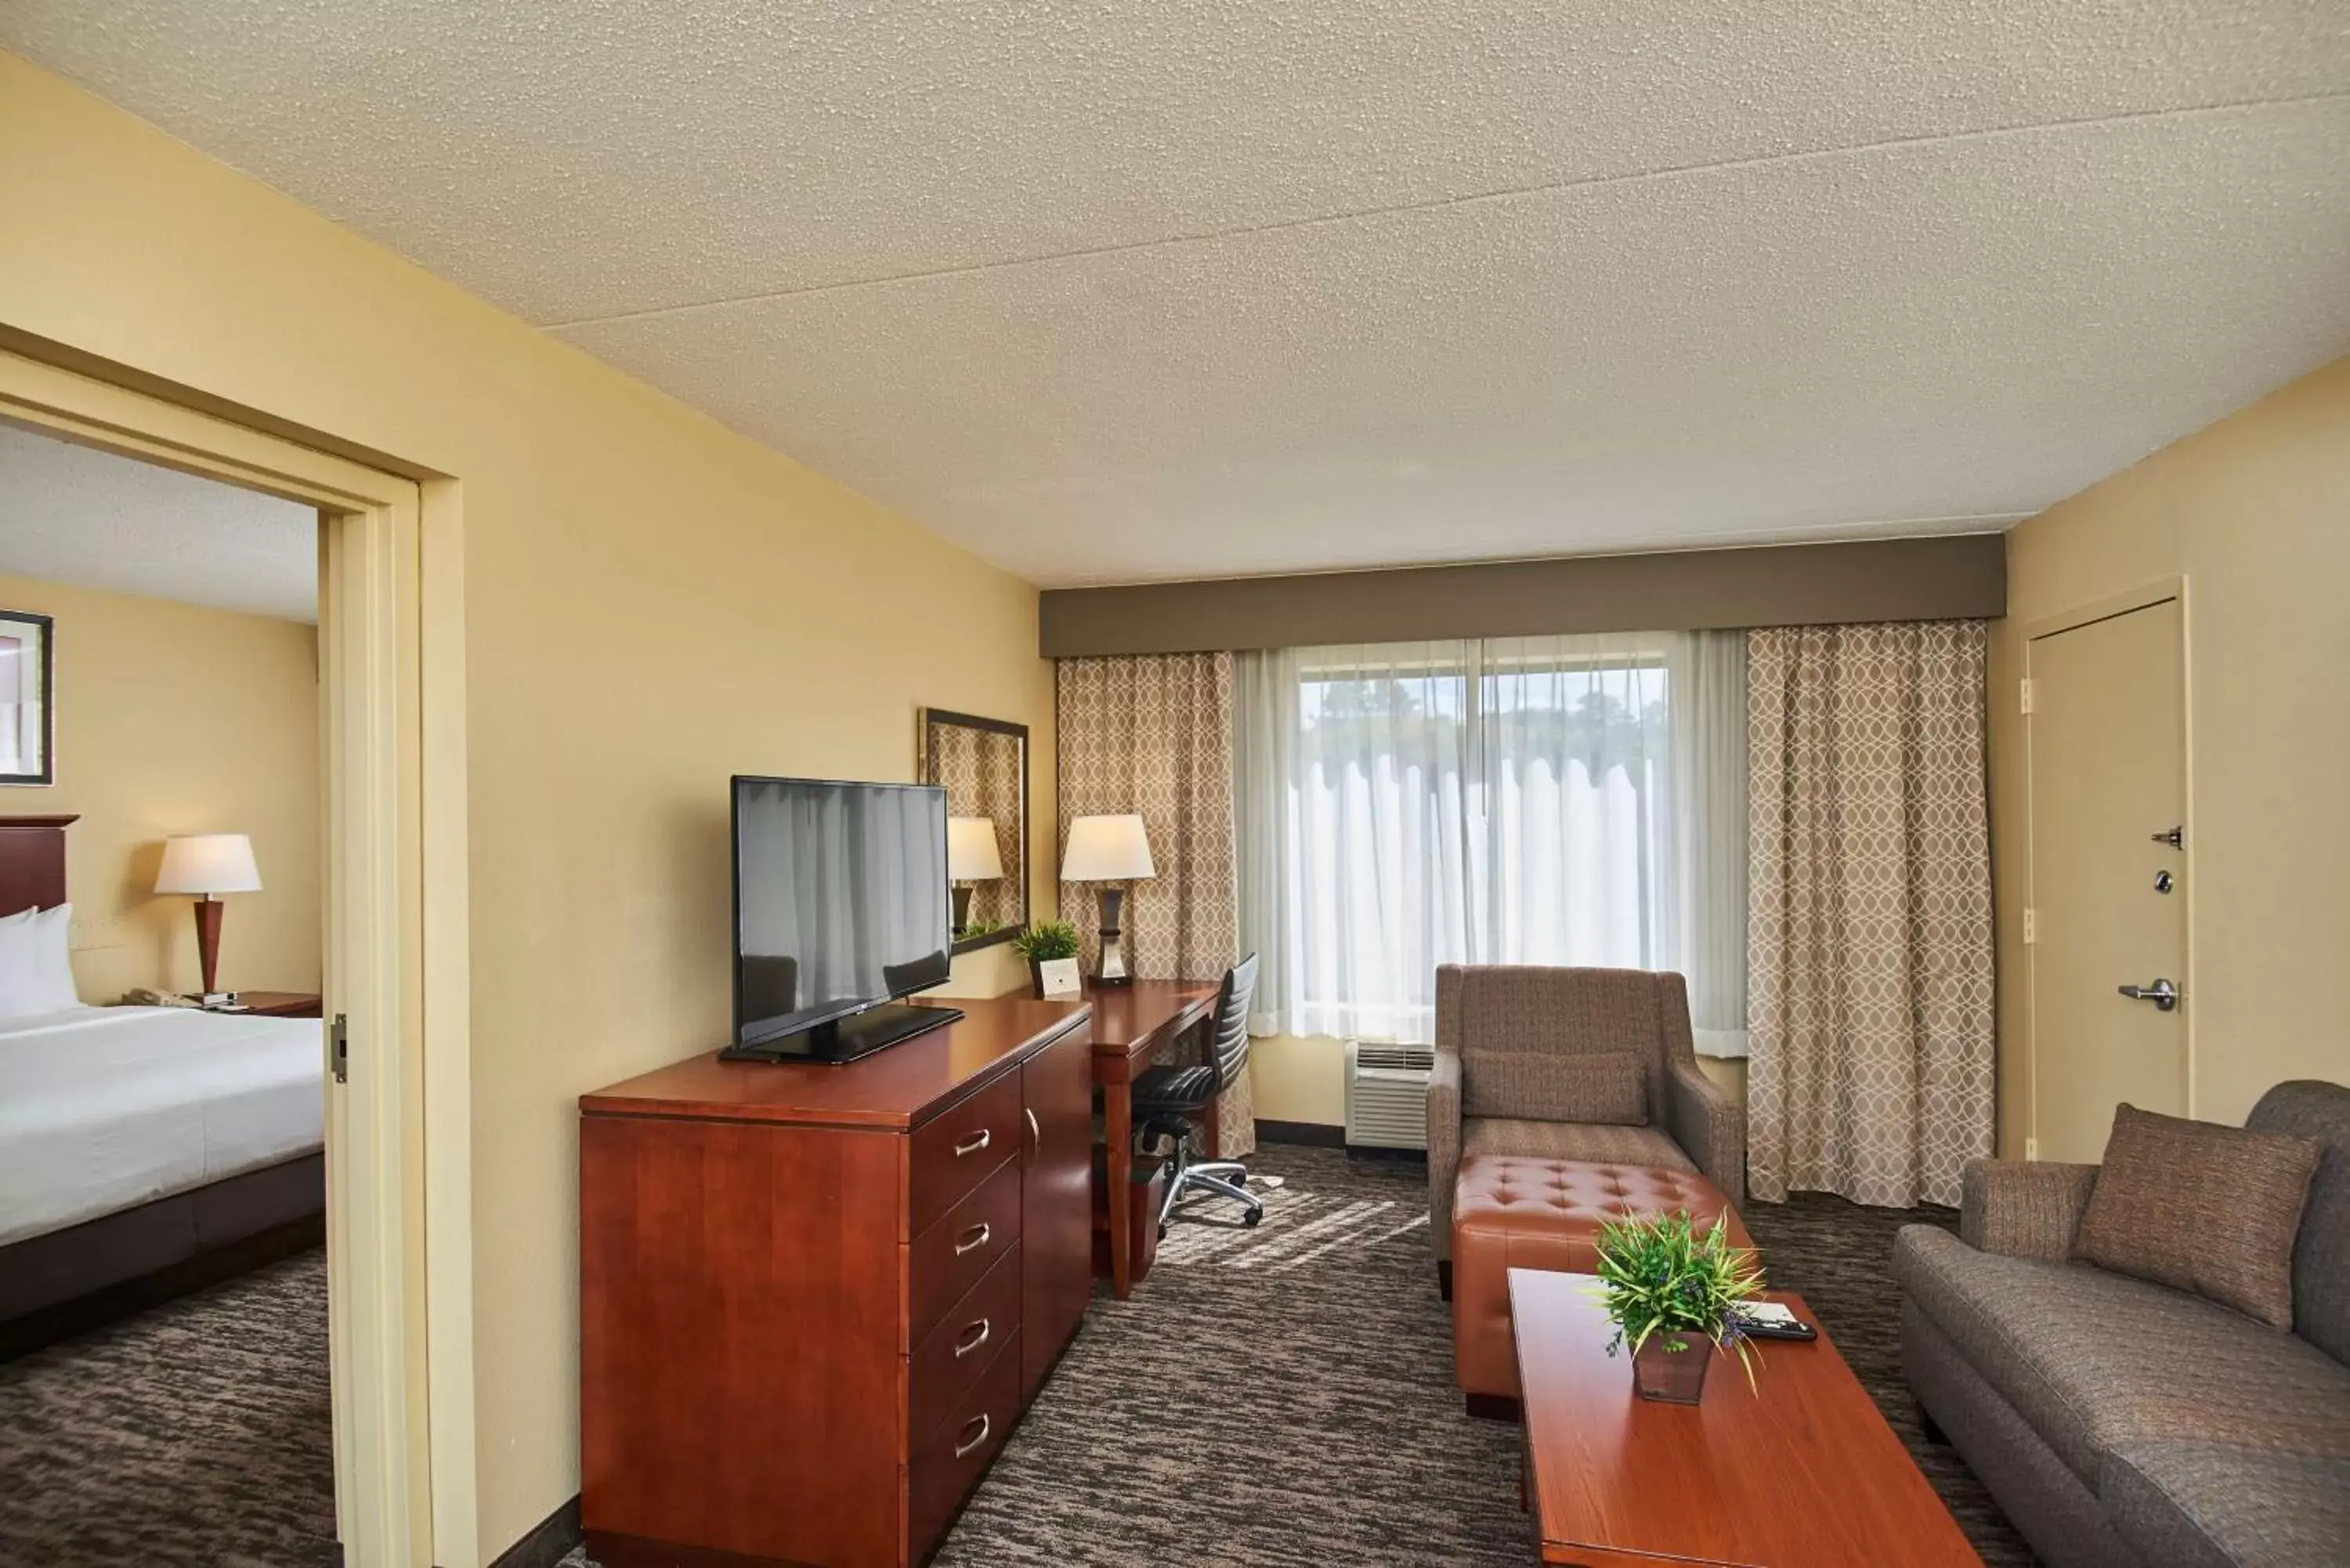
1299, 1078
651, 604
172, 718
2254, 512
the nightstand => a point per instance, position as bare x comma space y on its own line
273, 1005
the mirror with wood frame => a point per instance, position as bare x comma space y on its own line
983, 766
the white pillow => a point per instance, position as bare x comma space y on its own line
19, 998
35, 965
52, 978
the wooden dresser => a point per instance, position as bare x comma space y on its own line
814, 1300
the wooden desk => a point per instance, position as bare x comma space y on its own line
1131, 1023
1803, 1474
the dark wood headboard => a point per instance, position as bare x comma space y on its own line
32, 862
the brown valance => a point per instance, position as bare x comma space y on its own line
1952, 578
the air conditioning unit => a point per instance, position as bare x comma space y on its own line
1387, 1095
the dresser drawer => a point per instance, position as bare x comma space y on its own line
947, 1462
946, 1365
958, 1149
950, 1257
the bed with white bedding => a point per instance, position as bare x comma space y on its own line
105, 1108
144, 1151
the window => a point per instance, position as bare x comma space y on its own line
1414, 804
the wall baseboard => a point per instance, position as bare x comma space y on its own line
1398, 1155
1315, 1135
1325, 1135
549, 1542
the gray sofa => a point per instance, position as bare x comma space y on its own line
2120, 1422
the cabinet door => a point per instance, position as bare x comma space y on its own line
1057, 1201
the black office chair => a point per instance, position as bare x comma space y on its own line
1167, 1099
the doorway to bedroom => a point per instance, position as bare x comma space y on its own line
214, 1103
163, 1284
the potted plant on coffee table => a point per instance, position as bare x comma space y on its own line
1044, 942
1669, 1289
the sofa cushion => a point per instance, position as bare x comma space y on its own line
2225, 1505
1609, 1087
2202, 1208
1573, 1140
2094, 1360
2320, 1261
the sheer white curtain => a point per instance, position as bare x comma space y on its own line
1707, 678
1407, 805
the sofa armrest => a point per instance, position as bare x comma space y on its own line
2023, 1208
1709, 1126
1443, 1148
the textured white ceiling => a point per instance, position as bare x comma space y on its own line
1176, 287
72, 515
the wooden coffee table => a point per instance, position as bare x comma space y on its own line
1803, 1474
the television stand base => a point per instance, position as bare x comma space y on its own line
846, 1039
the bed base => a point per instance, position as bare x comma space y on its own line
70, 1281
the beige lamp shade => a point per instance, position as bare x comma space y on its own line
1106, 849
208, 862
972, 854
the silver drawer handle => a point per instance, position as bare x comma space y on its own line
975, 1142
963, 1347
1035, 1132
985, 1427
973, 1240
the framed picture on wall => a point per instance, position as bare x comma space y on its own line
27, 718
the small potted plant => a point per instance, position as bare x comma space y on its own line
1669, 1289
1042, 943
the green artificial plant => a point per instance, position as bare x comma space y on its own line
1045, 940
1660, 1274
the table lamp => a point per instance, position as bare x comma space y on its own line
972, 856
207, 864
1110, 850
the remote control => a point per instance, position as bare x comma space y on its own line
1769, 1320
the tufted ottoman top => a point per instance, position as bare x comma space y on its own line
1520, 1211
1570, 1197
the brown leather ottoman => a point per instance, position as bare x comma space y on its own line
1517, 1211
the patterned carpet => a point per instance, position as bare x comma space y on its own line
196, 1433
1285, 1395
1276, 1395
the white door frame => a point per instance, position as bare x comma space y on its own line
2162, 590
398, 1140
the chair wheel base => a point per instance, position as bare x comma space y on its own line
1252, 1219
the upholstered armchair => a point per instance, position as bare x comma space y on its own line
1571, 1064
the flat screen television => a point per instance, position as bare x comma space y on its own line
841, 908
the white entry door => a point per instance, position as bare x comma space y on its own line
2109, 875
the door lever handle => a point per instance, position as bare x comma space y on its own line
2162, 993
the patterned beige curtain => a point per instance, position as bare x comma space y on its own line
1153, 734
1870, 935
